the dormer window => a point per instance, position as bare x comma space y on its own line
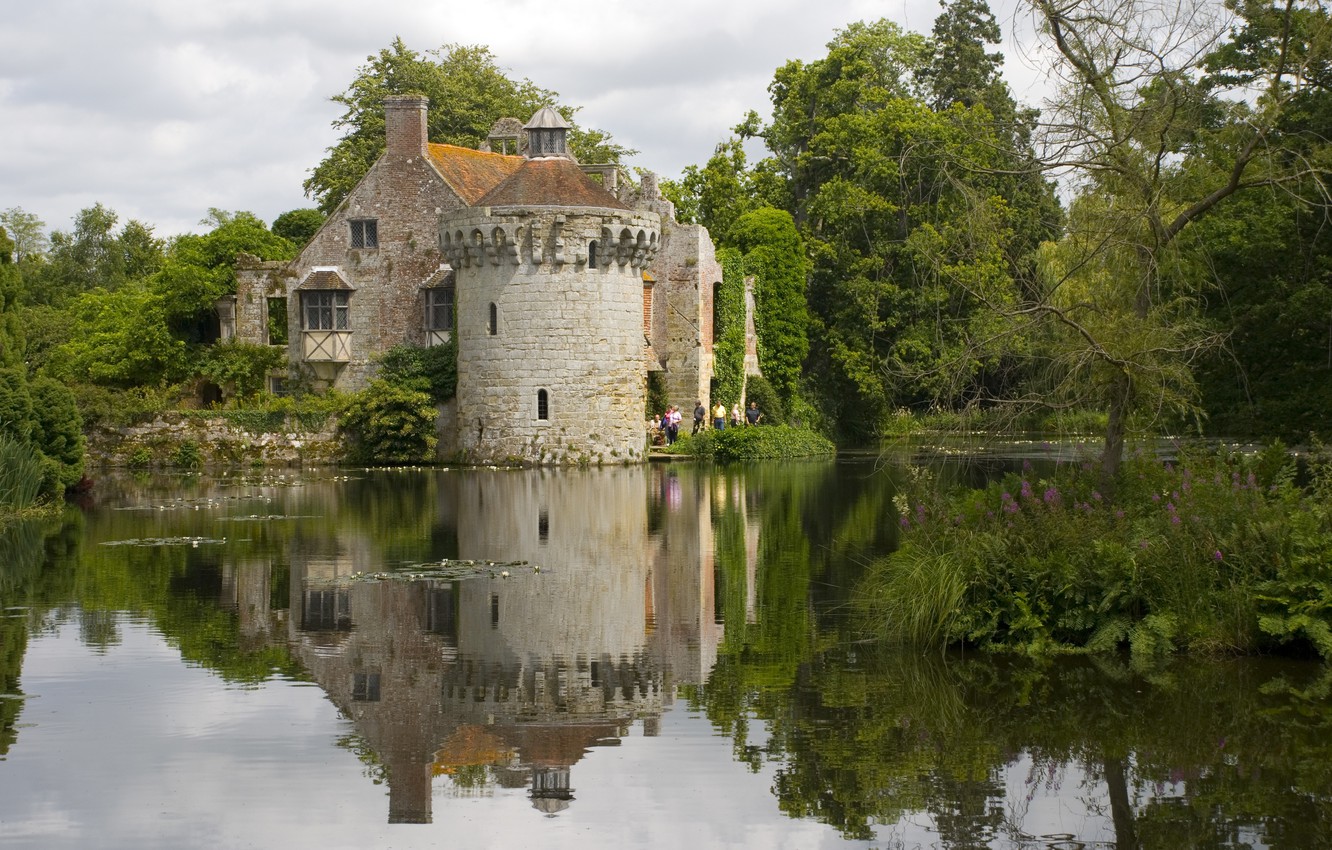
364, 233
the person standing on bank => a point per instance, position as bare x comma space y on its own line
753, 414
719, 416
672, 423
736, 419
700, 414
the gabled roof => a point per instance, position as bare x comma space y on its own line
322, 277
551, 181
471, 173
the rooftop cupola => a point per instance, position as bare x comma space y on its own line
547, 134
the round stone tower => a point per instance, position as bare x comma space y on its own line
550, 313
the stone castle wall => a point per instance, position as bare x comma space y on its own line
568, 320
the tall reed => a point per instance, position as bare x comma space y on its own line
20, 474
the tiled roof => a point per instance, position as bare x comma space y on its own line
553, 181
324, 279
471, 173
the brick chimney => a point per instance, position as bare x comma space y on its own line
405, 124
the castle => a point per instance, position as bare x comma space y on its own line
563, 285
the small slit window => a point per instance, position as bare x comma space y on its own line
494, 319
364, 233
543, 405
592, 253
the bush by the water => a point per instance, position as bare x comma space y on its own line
389, 424
1216, 553
754, 443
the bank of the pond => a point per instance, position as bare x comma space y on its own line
760, 442
1213, 553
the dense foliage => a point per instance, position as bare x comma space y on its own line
433, 370
389, 424
1212, 553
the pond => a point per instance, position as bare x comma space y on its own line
628, 657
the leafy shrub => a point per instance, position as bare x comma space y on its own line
241, 368
758, 443
1213, 553
140, 458
187, 455
432, 370
388, 423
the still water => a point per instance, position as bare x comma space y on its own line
628, 658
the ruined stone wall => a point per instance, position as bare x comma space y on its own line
686, 270
218, 441
563, 324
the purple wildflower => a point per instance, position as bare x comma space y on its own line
1026, 489
905, 522
1216, 555
1096, 496
1051, 496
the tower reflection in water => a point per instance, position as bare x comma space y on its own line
508, 682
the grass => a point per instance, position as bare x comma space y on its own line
21, 474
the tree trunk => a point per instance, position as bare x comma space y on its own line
1121, 399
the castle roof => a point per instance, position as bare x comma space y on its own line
471, 173
547, 118
549, 181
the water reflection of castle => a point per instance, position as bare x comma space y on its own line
509, 680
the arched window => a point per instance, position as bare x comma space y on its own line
494, 319
543, 405
592, 254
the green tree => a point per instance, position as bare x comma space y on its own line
94, 255
887, 194
468, 92
122, 339
775, 254
298, 226
1273, 260
199, 269
28, 233
139, 334
1154, 145
716, 194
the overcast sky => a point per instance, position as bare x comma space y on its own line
162, 109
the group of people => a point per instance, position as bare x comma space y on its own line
665, 428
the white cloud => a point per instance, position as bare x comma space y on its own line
161, 109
